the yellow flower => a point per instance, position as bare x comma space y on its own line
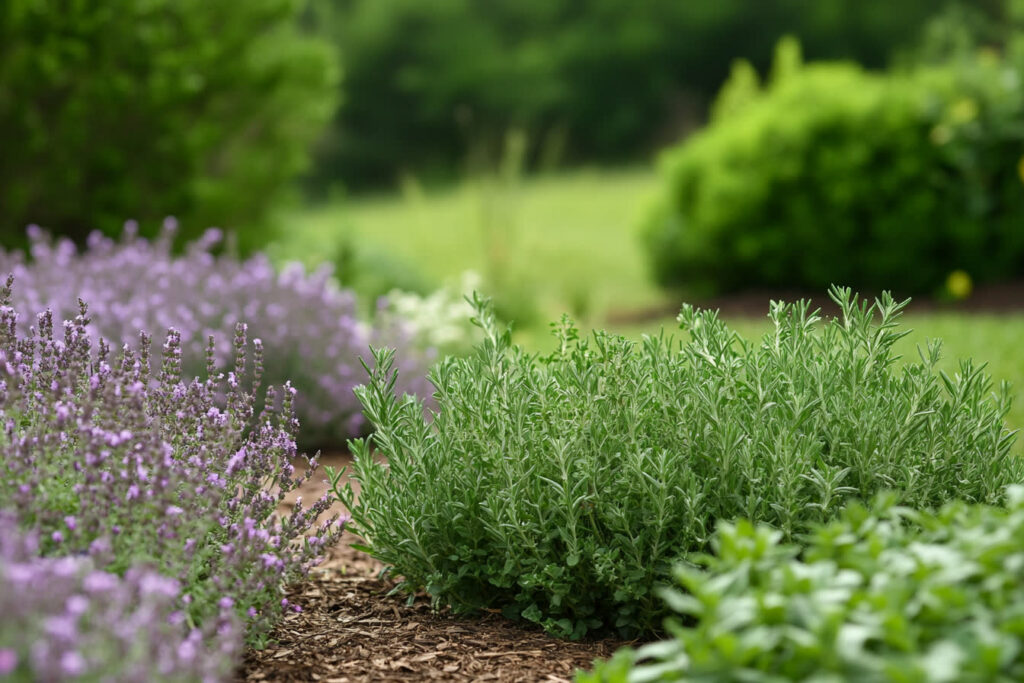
941, 134
964, 110
959, 285
988, 57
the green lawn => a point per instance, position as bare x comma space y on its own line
570, 243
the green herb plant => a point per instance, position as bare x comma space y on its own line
883, 594
563, 488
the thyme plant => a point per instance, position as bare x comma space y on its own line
563, 488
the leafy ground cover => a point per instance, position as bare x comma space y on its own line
883, 594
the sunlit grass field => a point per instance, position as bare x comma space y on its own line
572, 243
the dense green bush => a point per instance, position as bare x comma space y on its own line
562, 489
148, 108
834, 174
885, 594
429, 84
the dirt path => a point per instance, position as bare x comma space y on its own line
351, 631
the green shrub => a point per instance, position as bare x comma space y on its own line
885, 594
834, 174
147, 108
562, 489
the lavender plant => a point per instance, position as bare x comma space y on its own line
882, 594
562, 489
308, 326
65, 620
104, 458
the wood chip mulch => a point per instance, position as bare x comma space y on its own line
351, 631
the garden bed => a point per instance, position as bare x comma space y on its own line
350, 630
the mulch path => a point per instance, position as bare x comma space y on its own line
351, 631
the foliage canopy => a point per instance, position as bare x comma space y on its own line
148, 108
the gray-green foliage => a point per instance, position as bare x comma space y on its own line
147, 108
429, 83
881, 595
564, 488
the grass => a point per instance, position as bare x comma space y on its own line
570, 241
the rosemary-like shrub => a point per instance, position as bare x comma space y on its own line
562, 489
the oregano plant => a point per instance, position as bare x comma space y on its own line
883, 593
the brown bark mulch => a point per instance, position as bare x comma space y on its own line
351, 631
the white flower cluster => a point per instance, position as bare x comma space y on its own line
440, 320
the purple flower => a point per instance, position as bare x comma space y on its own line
8, 661
154, 584
81, 622
270, 561
62, 627
236, 461
77, 605
306, 328
135, 457
100, 582
72, 664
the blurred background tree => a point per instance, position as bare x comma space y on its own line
145, 108
430, 85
